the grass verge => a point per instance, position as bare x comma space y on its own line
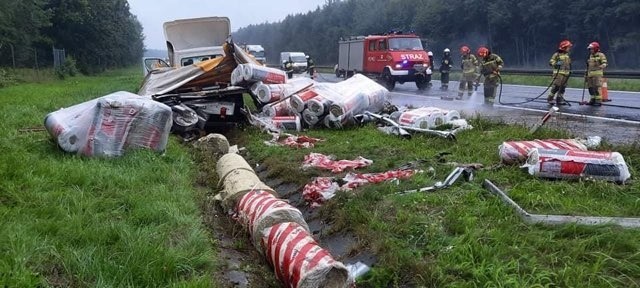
84, 222
463, 236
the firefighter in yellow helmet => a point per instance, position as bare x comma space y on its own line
595, 70
561, 64
469, 66
490, 66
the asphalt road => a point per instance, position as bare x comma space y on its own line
617, 120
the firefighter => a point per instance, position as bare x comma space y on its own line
311, 67
469, 66
429, 69
561, 64
490, 66
595, 70
445, 68
288, 68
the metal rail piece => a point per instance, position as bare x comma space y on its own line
624, 222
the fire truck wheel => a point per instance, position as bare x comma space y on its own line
388, 80
421, 82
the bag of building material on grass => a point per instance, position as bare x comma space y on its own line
258, 210
299, 261
282, 108
424, 117
254, 73
573, 164
110, 125
516, 152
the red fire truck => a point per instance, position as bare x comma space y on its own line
390, 58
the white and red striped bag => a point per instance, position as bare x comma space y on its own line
568, 164
516, 152
259, 210
299, 261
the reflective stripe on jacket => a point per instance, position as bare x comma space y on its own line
490, 64
595, 63
564, 61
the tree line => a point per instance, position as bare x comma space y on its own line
97, 34
524, 33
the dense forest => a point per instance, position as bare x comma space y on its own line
97, 34
524, 33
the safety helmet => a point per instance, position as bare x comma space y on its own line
564, 45
446, 50
595, 46
430, 53
464, 50
306, 56
483, 51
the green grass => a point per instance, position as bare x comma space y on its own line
85, 222
463, 236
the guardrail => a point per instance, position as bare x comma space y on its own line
547, 72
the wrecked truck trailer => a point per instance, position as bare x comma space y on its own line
200, 95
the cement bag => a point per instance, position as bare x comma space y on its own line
112, 124
517, 152
299, 261
421, 118
282, 108
259, 210
572, 164
254, 73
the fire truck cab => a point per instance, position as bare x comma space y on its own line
390, 58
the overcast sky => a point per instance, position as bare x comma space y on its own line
152, 13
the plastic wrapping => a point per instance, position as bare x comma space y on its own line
299, 261
253, 73
310, 118
572, 164
299, 100
267, 93
258, 210
110, 125
282, 108
359, 93
424, 117
517, 152
326, 162
237, 76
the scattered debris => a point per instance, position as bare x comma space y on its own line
624, 222
294, 141
544, 119
465, 172
572, 164
318, 160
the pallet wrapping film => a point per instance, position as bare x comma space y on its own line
299, 261
110, 125
282, 108
359, 93
267, 93
424, 117
517, 152
254, 73
237, 76
258, 210
573, 164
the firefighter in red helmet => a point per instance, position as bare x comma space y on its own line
595, 71
490, 66
561, 64
469, 67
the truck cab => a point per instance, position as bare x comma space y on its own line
190, 41
391, 58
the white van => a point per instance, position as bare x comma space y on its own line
299, 60
258, 52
